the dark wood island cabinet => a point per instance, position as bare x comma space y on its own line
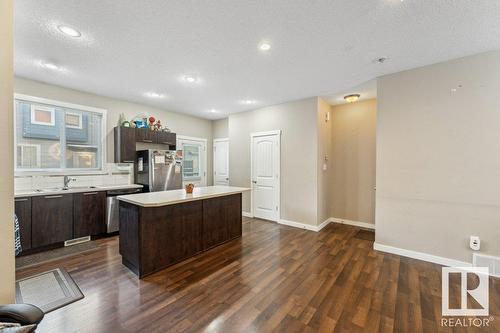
160, 229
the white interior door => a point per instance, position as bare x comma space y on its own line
194, 160
265, 148
221, 162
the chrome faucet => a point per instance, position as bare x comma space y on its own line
67, 180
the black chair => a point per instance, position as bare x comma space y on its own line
23, 314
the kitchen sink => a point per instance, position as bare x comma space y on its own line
61, 189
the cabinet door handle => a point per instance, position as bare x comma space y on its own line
148, 141
166, 143
128, 161
19, 200
53, 196
90, 193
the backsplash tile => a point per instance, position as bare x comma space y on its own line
115, 174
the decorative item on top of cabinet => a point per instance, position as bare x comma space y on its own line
151, 124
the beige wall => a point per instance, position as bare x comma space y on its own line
7, 270
220, 128
179, 123
438, 160
324, 159
353, 161
297, 121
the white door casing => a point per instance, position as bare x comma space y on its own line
265, 175
221, 162
197, 159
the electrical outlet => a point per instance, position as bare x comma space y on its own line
475, 243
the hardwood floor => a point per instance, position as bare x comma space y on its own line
275, 278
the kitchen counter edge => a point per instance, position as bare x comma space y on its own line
181, 196
99, 188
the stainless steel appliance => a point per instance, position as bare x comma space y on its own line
158, 170
112, 207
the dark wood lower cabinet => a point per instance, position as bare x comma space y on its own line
88, 214
221, 220
154, 238
23, 213
52, 219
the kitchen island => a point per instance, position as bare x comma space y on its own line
159, 229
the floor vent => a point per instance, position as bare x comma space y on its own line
481, 260
79, 240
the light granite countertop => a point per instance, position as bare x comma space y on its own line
164, 198
77, 189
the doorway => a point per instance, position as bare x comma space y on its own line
194, 159
265, 174
221, 162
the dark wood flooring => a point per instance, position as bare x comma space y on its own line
275, 278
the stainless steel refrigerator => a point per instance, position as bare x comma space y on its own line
159, 170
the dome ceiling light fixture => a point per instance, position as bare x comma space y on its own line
69, 31
352, 98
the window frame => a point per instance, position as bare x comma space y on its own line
61, 171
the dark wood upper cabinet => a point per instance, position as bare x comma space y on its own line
52, 219
88, 214
145, 135
125, 139
166, 138
23, 213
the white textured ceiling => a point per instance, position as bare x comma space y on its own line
319, 48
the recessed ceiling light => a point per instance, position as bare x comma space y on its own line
154, 95
213, 111
190, 79
351, 98
69, 31
264, 46
247, 101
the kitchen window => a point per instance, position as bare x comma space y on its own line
53, 136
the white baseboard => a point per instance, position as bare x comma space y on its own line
246, 214
298, 225
324, 224
421, 256
353, 223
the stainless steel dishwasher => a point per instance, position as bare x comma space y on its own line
112, 207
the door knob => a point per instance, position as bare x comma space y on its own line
254, 181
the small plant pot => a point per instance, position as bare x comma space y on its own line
189, 188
